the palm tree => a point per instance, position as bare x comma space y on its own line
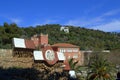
74, 65
77, 68
100, 69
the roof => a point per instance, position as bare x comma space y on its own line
29, 44
19, 43
23, 43
64, 45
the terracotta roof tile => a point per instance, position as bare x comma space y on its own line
64, 45
29, 44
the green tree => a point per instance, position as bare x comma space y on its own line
100, 69
77, 68
74, 65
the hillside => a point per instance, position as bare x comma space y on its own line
87, 39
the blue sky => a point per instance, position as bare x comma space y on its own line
94, 14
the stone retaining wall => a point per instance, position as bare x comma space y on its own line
7, 60
5, 52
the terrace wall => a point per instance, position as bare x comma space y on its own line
7, 60
5, 52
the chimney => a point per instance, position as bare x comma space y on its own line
40, 40
35, 39
43, 39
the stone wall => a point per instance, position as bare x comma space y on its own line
5, 52
7, 60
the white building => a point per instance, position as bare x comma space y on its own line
65, 29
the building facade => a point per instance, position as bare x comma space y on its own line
39, 40
65, 29
70, 51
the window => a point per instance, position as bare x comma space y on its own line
69, 49
75, 49
62, 50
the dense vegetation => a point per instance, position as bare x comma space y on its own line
100, 68
28, 74
87, 39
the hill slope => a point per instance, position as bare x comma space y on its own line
85, 38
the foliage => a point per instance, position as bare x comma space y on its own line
7, 32
28, 74
77, 68
19, 74
87, 39
116, 58
74, 65
100, 69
